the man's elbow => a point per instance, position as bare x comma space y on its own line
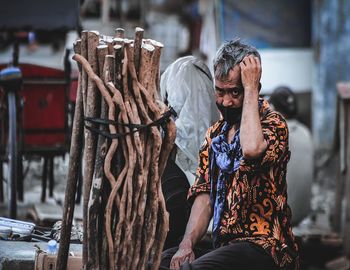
203, 201
253, 151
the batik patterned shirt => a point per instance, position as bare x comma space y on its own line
255, 208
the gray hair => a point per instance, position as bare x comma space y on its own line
230, 54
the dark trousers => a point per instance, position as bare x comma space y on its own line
235, 256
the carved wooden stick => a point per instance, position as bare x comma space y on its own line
132, 112
118, 54
97, 181
117, 98
145, 76
126, 93
152, 203
137, 47
110, 153
145, 59
90, 138
166, 148
155, 63
108, 99
72, 178
84, 53
164, 216
141, 208
119, 33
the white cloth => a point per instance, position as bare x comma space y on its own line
187, 86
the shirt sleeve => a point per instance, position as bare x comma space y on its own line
202, 181
275, 132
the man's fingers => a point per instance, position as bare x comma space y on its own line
174, 264
183, 260
191, 258
257, 61
251, 59
246, 60
177, 265
177, 262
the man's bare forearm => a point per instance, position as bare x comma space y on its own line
198, 222
252, 139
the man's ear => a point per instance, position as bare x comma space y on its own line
259, 86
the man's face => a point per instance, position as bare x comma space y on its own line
229, 93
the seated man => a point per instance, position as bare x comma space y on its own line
241, 177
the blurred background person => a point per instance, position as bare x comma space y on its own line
187, 86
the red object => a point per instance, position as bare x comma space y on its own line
44, 93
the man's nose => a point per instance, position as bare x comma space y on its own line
228, 100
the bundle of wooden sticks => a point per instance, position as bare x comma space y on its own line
127, 135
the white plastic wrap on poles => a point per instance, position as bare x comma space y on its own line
187, 86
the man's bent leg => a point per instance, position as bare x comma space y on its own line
236, 256
169, 253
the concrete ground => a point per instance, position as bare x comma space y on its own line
20, 254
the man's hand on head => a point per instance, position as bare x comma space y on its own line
250, 73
